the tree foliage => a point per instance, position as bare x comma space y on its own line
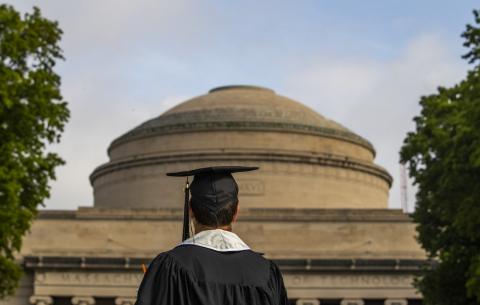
443, 154
32, 115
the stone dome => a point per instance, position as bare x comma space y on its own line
306, 160
242, 108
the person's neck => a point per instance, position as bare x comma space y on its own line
201, 227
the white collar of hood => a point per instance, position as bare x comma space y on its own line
218, 240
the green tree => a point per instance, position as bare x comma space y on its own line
32, 115
443, 155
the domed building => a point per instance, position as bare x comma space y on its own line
318, 206
305, 159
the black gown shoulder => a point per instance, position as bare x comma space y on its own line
190, 274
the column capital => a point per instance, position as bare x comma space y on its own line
352, 302
125, 301
41, 300
83, 300
307, 302
396, 302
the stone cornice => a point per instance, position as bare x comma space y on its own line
246, 215
172, 128
324, 160
290, 265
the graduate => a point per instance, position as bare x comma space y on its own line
214, 266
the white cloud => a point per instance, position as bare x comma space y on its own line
130, 60
118, 54
379, 98
92, 127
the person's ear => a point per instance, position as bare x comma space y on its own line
190, 211
235, 216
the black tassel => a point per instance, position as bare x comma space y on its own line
186, 227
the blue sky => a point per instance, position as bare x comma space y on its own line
364, 64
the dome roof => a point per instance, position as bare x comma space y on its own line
242, 108
305, 159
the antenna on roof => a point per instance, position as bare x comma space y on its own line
403, 188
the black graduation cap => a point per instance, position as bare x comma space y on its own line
211, 187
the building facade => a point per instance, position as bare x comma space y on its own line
318, 206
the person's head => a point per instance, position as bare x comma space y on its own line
214, 197
224, 215
214, 201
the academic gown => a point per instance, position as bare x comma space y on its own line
216, 268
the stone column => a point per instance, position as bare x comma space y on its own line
83, 300
352, 302
125, 301
396, 302
307, 302
41, 300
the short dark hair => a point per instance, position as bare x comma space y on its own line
222, 216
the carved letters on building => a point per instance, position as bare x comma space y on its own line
133, 279
350, 280
251, 187
89, 278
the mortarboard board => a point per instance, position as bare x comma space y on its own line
211, 187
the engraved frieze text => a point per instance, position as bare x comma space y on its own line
251, 187
350, 280
88, 278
